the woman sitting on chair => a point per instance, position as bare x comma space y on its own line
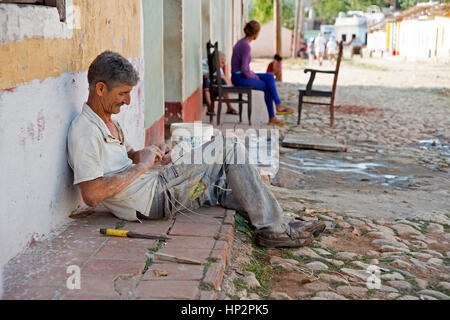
243, 77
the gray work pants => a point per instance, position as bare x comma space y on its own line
235, 185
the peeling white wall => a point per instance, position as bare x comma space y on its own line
19, 22
36, 190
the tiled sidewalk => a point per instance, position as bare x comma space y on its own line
112, 267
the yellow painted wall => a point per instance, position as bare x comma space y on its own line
388, 36
105, 25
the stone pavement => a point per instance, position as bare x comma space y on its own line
259, 116
115, 268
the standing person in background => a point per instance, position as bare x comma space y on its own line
243, 77
320, 43
311, 53
275, 67
331, 49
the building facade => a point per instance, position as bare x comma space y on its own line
45, 52
419, 33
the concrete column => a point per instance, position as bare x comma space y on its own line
237, 20
182, 61
153, 43
192, 44
226, 29
217, 25
206, 25
214, 17
173, 50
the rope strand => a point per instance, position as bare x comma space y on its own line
196, 213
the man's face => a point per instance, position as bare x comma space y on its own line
115, 98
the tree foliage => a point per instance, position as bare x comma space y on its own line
329, 9
262, 11
405, 4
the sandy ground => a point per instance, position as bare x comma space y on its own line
391, 185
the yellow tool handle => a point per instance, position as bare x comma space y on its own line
113, 232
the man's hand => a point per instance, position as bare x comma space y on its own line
149, 156
164, 148
167, 158
167, 151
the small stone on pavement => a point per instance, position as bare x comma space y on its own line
327, 295
317, 266
399, 284
346, 255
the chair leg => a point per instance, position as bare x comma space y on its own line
219, 110
211, 109
240, 107
332, 115
249, 107
300, 102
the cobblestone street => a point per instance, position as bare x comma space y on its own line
385, 200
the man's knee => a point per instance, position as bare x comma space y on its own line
235, 151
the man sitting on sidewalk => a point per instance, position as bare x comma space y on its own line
108, 171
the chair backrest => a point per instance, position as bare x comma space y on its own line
214, 65
335, 72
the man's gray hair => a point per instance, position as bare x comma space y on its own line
112, 69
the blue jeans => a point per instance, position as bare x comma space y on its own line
266, 83
235, 186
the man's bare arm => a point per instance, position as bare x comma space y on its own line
95, 191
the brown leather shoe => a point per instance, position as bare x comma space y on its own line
292, 237
315, 227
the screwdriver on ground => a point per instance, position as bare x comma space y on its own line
130, 234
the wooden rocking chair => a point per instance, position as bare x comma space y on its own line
309, 92
217, 89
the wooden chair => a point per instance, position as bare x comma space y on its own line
217, 89
309, 92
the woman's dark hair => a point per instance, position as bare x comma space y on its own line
277, 57
252, 28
